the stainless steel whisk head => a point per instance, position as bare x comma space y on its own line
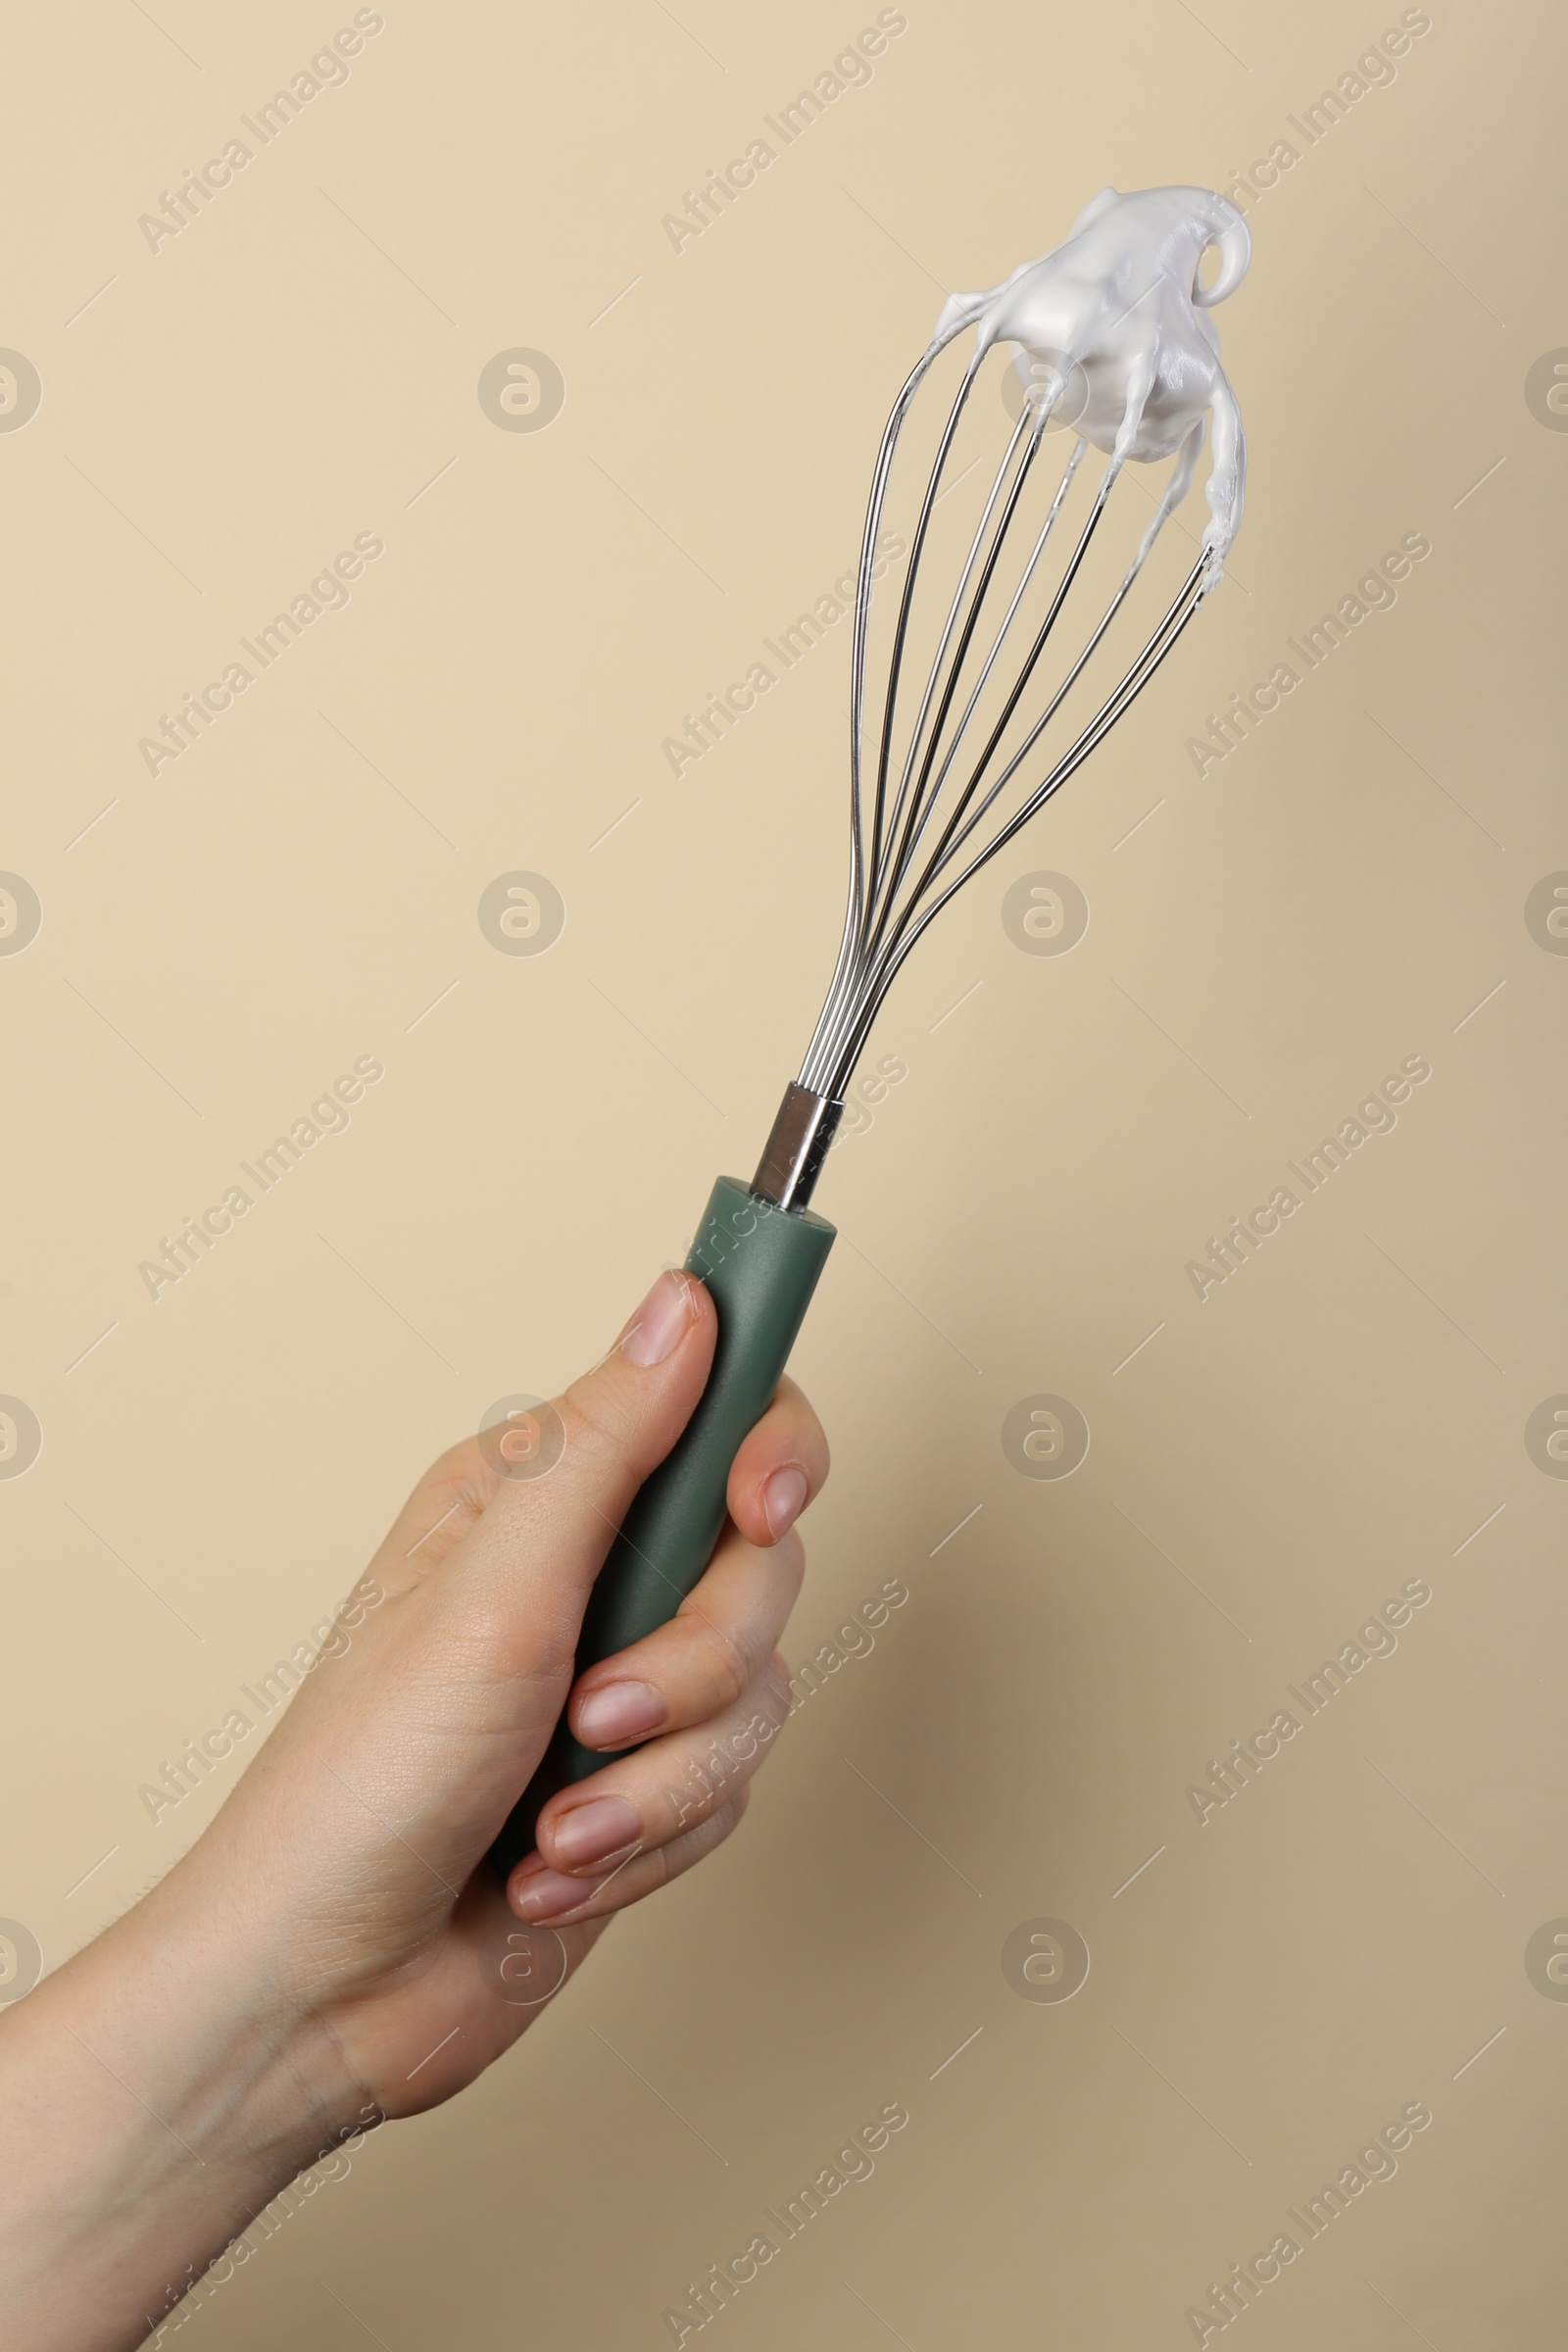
1133, 369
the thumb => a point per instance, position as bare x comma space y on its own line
519, 1582
386, 1781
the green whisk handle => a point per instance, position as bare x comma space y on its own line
761, 1263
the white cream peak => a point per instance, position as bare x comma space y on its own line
1114, 337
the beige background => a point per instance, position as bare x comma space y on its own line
300, 888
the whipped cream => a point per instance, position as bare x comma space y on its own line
1114, 340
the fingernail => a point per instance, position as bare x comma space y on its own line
588, 1833
548, 1894
618, 1713
656, 1328
783, 1499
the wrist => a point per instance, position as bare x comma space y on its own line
160, 2088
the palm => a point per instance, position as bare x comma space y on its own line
417, 2036
408, 1950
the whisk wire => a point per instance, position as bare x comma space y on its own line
860, 860
846, 1036
892, 897
906, 604
1020, 684
990, 663
900, 855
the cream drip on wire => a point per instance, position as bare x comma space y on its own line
1112, 333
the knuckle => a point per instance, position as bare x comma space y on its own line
818, 1456
700, 1836
595, 1435
631, 1882
687, 1807
460, 1460
775, 1681
709, 1782
720, 1825
458, 1475
729, 1665
789, 1557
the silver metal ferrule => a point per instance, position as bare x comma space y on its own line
789, 1167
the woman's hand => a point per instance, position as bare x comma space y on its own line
335, 1948
397, 1764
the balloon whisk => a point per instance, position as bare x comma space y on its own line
949, 759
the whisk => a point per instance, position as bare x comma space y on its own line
1113, 342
